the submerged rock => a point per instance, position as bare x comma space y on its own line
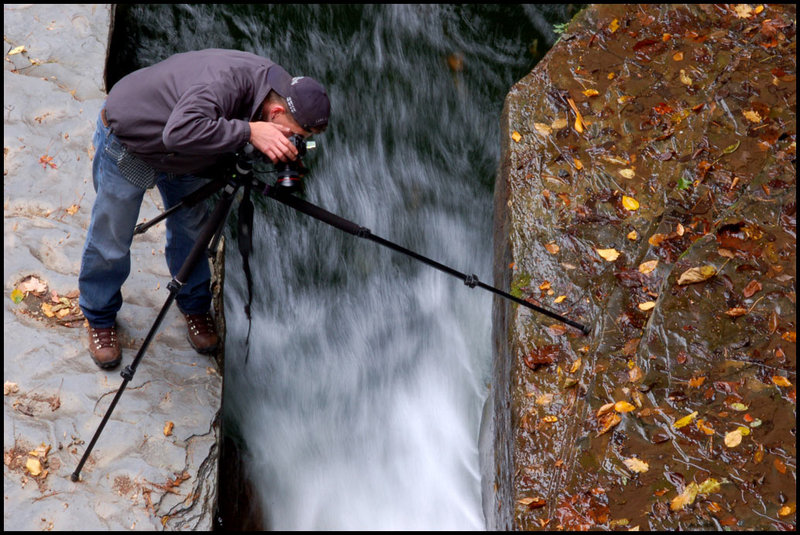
651, 141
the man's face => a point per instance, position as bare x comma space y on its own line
279, 115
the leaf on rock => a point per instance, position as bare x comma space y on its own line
516, 136
168, 428
542, 128
752, 116
608, 254
735, 312
648, 267
630, 203
636, 465
647, 306
686, 420
627, 173
781, 380
17, 296
697, 274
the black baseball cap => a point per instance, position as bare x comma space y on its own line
307, 100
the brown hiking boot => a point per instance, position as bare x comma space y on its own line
202, 333
104, 347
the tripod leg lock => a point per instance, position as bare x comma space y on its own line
471, 280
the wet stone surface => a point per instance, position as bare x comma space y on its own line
648, 190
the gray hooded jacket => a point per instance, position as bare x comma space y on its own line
181, 114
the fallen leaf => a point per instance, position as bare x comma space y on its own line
591, 92
552, 248
635, 373
17, 296
550, 419
697, 274
542, 129
780, 466
627, 173
743, 11
781, 380
697, 382
559, 124
623, 406
733, 438
648, 267
633, 235
47, 309
752, 116
790, 336
702, 426
516, 136
656, 239
647, 305
787, 510
608, 421
544, 399
636, 465
684, 498
686, 420
72, 210
168, 428
685, 79
677, 56
533, 503
33, 466
630, 203
752, 288
10, 388
738, 406
735, 312
608, 254
605, 409
708, 486
559, 299
614, 26
575, 366
32, 284
47, 160
16, 50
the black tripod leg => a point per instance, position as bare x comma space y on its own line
215, 222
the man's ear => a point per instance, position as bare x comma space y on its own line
274, 111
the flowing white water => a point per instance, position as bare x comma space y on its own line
361, 398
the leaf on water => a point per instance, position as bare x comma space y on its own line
633, 235
541, 355
544, 399
752, 288
708, 486
542, 128
684, 498
738, 406
559, 124
697, 382
614, 26
635, 373
781, 380
624, 406
605, 409
647, 306
705, 428
575, 366
733, 438
685, 79
686, 420
780, 466
630, 203
627, 173
550, 419
608, 421
697, 274
677, 56
608, 254
787, 510
636, 465
516, 136
591, 92
648, 267
533, 503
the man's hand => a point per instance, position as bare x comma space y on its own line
272, 140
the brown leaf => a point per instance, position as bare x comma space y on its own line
752, 287
735, 312
607, 421
533, 503
541, 355
697, 274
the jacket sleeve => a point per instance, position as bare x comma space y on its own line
204, 120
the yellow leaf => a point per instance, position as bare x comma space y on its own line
685, 79
16, 50
33, 466
633, 235
542, 129
550, 419
743, 11
578, 164
648, 267
516, 136
701, 425
17, 296
786, 510
559, 299
168, 428
544, 399
647, 306
559, 123
708, 486
10, 388
614, 26
678, 56
591, 92
781, 380
623, 406
627, 173
608, 254
743, 430
733, 438
47, 308
72, 210
636, 465
686, 420
575, 366
752, 116
737, 406
697, 274
625, 98
630, 203
684, 498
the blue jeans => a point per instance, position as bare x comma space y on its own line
106, 260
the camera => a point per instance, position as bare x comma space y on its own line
290, 174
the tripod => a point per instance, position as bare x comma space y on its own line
240, 175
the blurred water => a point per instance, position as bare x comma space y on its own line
361, 399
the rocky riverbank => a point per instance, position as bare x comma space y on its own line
647, 189
155, 465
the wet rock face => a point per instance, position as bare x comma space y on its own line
648, 189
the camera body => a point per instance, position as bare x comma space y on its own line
290, 174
